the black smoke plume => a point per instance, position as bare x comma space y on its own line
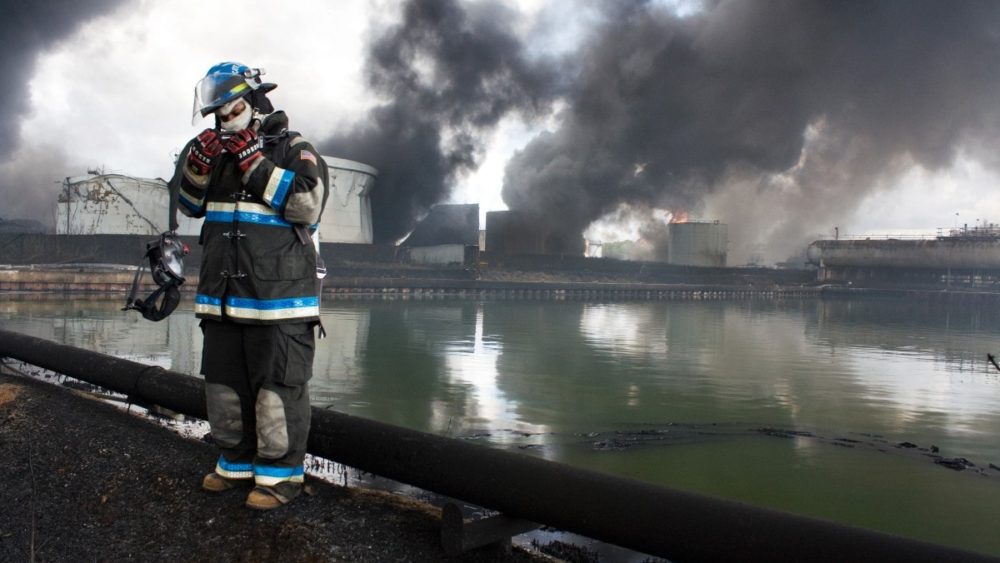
780, 115
26, 29
450, 71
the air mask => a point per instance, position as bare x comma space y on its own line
166, 264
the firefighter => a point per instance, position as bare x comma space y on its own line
258, 188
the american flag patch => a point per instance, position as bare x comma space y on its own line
306, 155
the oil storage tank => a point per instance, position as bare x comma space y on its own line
698, 243
347, 216
118, 204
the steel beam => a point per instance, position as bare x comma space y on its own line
459, 535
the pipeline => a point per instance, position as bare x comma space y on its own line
651, 519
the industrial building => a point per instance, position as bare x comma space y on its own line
517, 232
963, 257
447, 224
449, 234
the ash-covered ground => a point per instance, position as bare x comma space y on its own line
84, 481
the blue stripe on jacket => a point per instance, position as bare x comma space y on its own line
250, 217
281, 192
246, 217
272, 304
259, 304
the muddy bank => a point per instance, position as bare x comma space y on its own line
84, 481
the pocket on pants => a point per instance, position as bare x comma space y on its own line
300, 348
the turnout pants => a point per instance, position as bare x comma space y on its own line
256, 387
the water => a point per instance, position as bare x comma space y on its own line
797, 405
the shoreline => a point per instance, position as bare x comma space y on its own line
84, 280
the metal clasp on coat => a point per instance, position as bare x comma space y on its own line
226, 275
242, 195
234, 234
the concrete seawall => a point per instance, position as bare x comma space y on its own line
413, 283
403, 283
109, 279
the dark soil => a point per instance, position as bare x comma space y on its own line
83, 481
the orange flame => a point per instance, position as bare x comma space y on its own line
680, 217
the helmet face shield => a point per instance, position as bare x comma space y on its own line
215, 90
224, 83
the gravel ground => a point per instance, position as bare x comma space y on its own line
84, 481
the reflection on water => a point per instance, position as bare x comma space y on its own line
799, 405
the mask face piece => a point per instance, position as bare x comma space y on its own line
232, 121
166, 265
167, 260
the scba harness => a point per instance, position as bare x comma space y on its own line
166, 264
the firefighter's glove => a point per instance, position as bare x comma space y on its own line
245, 144
204, 150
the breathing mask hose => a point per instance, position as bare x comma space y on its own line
172, 208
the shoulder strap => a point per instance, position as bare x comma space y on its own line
174, 188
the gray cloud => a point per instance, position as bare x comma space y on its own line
805, 105
34, 176
26, 29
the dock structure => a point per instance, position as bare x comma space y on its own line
962, 258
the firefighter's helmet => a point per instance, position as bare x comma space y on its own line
224, 83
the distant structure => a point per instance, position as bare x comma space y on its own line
449, 234
447, 224
698, 243
593, 248
116, 204
962, 257
516, 232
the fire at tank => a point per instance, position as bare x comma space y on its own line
703, 134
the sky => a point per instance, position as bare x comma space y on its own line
782, 119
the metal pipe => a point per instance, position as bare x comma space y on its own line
656, 520
146, 383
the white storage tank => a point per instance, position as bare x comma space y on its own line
698, 243
116, 204
348, 213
